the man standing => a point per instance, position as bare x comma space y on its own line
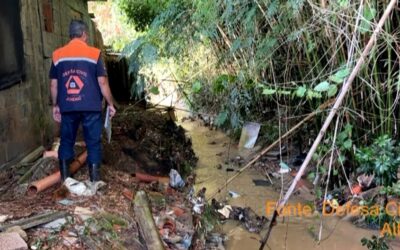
78, 85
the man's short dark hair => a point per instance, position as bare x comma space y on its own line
76, 28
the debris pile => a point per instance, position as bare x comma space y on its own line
149, 142
148, 153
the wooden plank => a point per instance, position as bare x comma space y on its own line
147, 227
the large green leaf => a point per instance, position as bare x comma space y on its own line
312, 94
369, 14
339, 76
301, 91
267, 91
221, 118
196, 87
332, 90
154, 90
322, 87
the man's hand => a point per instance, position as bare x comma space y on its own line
112, 110
56, 113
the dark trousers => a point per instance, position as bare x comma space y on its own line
92, 125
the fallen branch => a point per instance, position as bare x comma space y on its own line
146, 223
332, 113
271, 146
35, 220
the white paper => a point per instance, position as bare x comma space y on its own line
107, 125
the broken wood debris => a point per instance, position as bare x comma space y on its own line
34, 155
35, 220
145, 219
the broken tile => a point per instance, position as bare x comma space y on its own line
12, 241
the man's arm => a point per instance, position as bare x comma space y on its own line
53, 92
106, 92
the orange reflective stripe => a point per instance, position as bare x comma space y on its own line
76, 50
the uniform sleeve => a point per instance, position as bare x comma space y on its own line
100, 68
53, 71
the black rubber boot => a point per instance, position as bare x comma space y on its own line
64, 169
94, 172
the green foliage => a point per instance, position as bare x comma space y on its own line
154, 90
339, 76
209, 220
375, 243
368, 15
196, 87
141, 13
382, 158
343, 139
295, 50
322, 87
391, 190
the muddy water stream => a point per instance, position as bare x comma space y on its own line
291, 233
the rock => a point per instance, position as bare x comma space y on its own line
69, 241
12, 241
83, 213
56, 224
18, 230
3, 218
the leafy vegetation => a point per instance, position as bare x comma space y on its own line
375, 243
382, 158
274, 62
259, 60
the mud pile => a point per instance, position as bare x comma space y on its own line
150, 142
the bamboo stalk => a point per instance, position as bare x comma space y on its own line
332, 113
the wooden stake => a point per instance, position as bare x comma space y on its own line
332, 113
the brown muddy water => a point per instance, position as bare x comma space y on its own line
291, 232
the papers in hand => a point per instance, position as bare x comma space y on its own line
107, 125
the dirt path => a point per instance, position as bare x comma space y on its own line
292, 233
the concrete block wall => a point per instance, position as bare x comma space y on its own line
25, 113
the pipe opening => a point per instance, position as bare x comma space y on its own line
32, 190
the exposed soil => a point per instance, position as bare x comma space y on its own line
150, 142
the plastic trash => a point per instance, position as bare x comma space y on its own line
107, 124
234, 194
86, 188
225, 211
284, 168
187, 241
175, 179
66, 202
249, 135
